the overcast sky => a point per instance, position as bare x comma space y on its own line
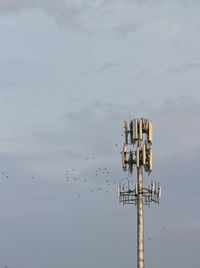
71, 71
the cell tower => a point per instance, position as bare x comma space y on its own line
137, 152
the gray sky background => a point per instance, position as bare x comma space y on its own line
70, 73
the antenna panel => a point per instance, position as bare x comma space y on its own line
124, 152
140, 130
138, 157
159, 192
131, 132
150, 133
135, 129
144, 154
126, 132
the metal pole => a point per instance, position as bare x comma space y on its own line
140, 231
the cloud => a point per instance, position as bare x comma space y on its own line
143, 3
183, 107
176, 122
69, 10
14, 5
95, 128
125, 28
107, 66
184, 68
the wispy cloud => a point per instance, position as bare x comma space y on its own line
176, 121
71, 11
128, 28
107, 66
184, 68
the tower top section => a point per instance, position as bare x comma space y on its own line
138, 135
137, 130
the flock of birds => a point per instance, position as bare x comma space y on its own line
101, 182
102, 179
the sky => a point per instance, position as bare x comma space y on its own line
71, 72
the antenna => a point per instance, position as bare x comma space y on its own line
139, 138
